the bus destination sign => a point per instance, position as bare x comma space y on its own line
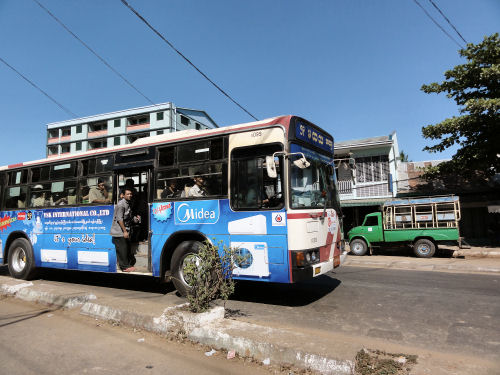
313, 136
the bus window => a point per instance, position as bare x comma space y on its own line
205, 180
251, 187
65, 170
96, 190
18, 177
40, 174
15, 197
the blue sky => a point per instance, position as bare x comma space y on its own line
352, 67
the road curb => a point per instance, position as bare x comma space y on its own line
209, 328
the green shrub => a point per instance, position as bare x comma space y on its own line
210, 276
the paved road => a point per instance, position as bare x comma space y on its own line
439, 311
41, 340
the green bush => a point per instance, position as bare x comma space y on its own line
210, 276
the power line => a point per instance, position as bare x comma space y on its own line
184, 57
437, 24
94, 52
447, 20
39, 89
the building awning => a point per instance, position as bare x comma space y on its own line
362, 202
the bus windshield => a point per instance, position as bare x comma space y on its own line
312, 187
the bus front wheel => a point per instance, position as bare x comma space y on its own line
185, 253
424, 248
21, 260
358, 247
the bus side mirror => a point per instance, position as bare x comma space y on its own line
271, 167
302, 163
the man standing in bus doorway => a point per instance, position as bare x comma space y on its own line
120, 231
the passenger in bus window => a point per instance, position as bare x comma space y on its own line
71, 196
120, 232
59, 199
171, 190
38, 196
21, 200
99, 193
199, 189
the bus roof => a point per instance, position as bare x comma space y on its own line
160, 139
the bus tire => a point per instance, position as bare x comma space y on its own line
424, 248
358, 247
186, 251
21, 259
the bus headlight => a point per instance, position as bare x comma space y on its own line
305, 257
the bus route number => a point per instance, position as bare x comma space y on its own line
256, 134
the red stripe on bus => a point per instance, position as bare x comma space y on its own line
15, 165
299, 216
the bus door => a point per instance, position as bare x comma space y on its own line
133, 170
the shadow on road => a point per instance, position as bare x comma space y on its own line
140, 283
293, 295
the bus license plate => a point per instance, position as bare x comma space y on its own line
317, 270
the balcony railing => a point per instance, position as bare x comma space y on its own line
349, 190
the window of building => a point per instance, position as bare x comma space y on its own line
78, 146
159, 132
372, 168
98, 143
54, 133
66, 132
198, 126
52, 150
184, 120
135, 137
116, 141
159, 116
98, 126
117, 123
65, 149
140, 120
78, 129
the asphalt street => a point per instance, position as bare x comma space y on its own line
440, 311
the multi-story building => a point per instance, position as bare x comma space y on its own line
122, 127
367, 175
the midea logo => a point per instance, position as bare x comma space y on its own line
205, 212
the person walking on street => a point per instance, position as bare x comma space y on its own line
120, 231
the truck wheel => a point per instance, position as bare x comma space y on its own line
186, 252
358, 247
424, 248
21, 260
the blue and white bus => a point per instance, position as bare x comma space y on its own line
270, 191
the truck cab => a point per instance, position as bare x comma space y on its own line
369, 232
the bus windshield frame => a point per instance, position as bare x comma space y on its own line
313, 187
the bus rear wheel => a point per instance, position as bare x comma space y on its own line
424, 248
358, 247
21, 259
185, 253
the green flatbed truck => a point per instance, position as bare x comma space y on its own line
422, 223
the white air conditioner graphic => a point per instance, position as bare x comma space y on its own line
250, 259
249, 225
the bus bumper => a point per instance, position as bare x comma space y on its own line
309, 272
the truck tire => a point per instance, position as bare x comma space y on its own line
358, 247
21, 261
185, 252
424, 248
